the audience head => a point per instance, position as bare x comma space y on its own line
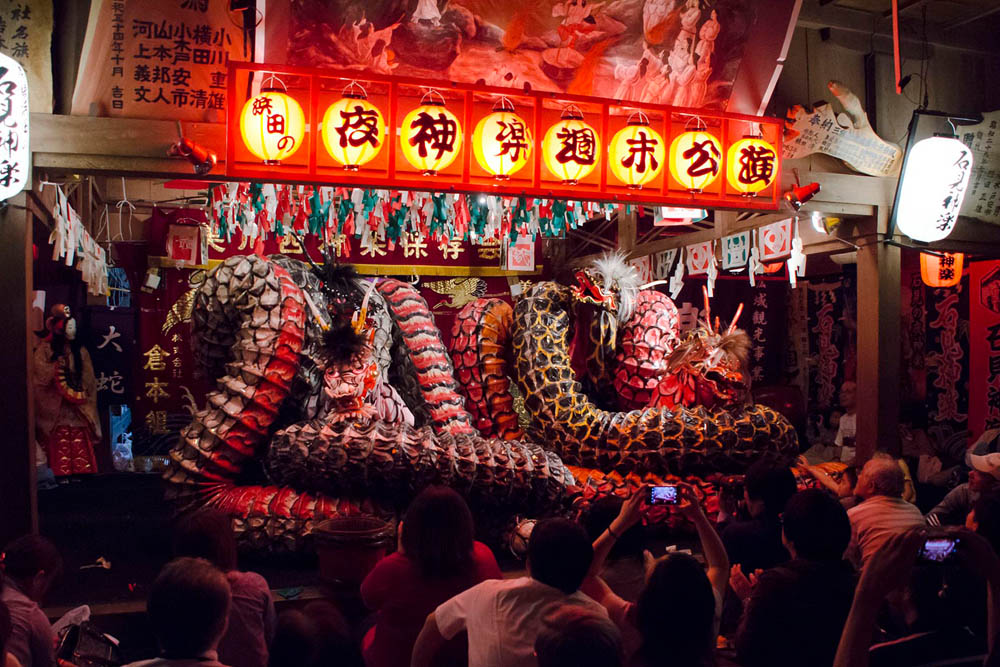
188, 607
937, 598
985, 472
207, 534
880, 477
316, 636
767, 487
559, 554
33, 563
849, 395
675, 613
985, 518
437, 532
815, 526
574, 636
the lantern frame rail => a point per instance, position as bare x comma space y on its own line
312, 165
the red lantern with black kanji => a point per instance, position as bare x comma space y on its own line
944, 270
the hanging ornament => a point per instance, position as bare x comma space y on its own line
944, 270
695, 159
353, 129
935, 176
272, 124
752, 165
636, 152
430, 135
571, 147
502, 141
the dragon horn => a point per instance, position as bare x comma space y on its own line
708, 308
359, 317
736, 317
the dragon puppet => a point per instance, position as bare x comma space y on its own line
337, 397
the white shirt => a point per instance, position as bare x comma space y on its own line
502, 617
848, 429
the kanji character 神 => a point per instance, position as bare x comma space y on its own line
437, 134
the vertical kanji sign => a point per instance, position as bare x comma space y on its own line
984, 344
15, 158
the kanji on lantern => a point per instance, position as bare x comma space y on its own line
695, 159
570, 148
272, 125
502, 143
353, 131
752, 165
431, 138
636, 154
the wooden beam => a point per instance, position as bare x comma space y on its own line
89, 135
626, 230
17, 447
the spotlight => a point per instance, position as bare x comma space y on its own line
201, 158
824, 224
799, 195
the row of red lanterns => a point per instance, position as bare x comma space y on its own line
353, 132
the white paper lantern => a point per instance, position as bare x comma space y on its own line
934, 183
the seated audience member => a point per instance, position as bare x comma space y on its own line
316, 636
574, 636
502, 617
882, 512
188, 608
985, 518
796, 611
909, 490
30, 565
6, 659
935, 613
437, 559
756, 543
955, 506
841, 484
208, 534
687, 638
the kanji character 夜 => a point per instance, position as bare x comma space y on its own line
578, 145
704, 156
358, 127
756, 164
438, 134
640, 150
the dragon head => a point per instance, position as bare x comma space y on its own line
610, 283
709, 367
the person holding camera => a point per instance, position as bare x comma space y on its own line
675, 620
926, 568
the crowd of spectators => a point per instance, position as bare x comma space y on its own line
847, 572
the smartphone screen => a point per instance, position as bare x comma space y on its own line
663, 495
938, 549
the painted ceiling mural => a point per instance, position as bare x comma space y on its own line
689, 53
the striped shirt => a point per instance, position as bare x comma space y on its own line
876, 520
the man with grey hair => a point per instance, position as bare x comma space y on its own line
882, 512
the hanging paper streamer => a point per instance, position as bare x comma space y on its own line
382, 218
644, 266
699, 256
662, 261
76, 247
677, 280
735, 251
797, 261
776, 240
754, 266
713, 273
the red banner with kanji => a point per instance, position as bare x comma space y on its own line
984, 343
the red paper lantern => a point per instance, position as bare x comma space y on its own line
941, 271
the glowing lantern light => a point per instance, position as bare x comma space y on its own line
943, 271
430, 136
353, 130
502, 141
695, 159
571, 147
636, 152
932, 188
751, 165
272, 125
773, 267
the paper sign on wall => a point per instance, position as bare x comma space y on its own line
776, 240
699, 255
662, 262
15, 165
735, 250
521, 255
